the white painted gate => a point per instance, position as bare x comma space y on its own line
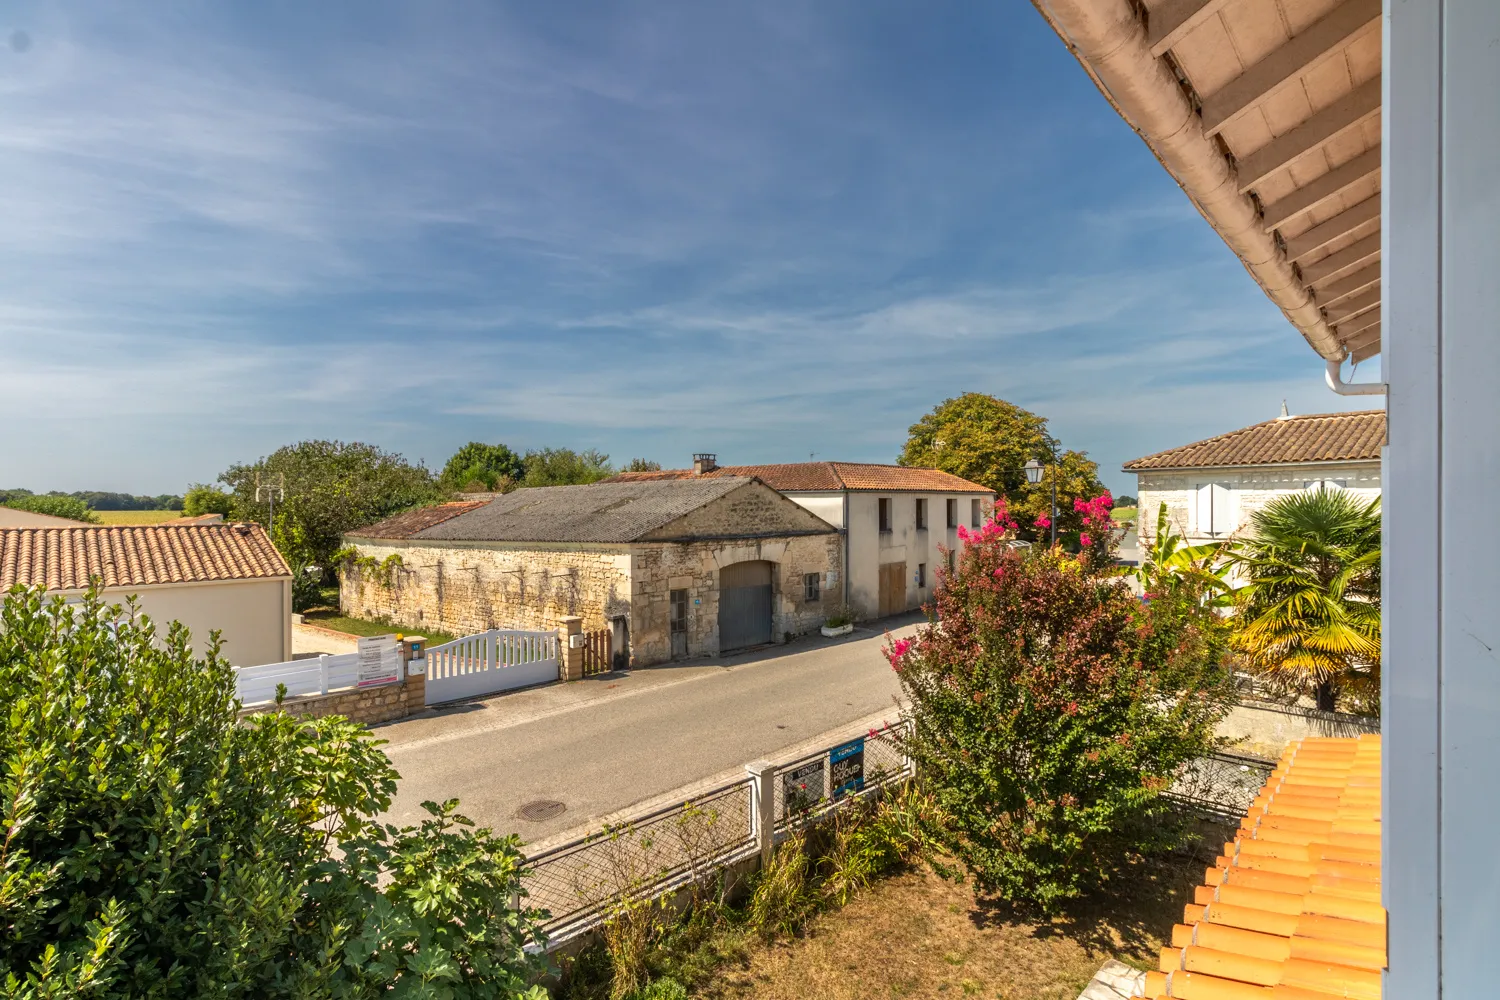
488, 662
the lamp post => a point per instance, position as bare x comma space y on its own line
1034, 471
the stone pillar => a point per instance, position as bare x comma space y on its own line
569, 656
413, 673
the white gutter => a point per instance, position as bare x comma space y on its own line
1333, 375
1107, 38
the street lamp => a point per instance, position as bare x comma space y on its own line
1034, 471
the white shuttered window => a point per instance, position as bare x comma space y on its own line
1217, 511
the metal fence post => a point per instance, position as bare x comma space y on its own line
322, 673
763, 803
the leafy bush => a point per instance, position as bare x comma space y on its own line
54, 504
156, 846
492, 466
204, 499
782, 896
662, 989
565, 467
307, 588
1051, 709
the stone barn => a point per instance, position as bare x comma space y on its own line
677, 568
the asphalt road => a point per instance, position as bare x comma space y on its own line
604, 744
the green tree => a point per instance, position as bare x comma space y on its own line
155, 845
1200, 570
1050, 713
565, 467
205, 499
1308, 615
642, 465
331, 487
492, 467
55, 504
989, 441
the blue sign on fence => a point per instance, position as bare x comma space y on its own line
846, 768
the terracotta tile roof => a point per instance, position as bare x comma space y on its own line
409, 522
1317, 437
136, 555
1291, 910
832, 476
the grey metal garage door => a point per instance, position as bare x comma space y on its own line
744, 605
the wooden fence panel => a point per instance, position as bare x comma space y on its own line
596, 652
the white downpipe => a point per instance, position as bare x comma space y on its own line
1109, 40
1333, 375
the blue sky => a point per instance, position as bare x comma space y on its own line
767, 230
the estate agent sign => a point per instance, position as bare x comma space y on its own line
802, 788
846, 768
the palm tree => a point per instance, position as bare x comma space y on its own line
1309, 612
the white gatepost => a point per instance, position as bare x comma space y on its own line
763, 807
322, 673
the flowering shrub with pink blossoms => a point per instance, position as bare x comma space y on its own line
1050, 710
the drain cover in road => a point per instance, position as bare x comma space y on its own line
542, 810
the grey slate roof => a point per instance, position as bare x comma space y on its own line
601, 512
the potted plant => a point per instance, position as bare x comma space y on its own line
840, 621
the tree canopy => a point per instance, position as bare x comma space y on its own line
490, 467
330, 487
205, 499
565, 467
987, 440
158, 846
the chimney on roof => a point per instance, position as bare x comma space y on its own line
704, 462
1284, 415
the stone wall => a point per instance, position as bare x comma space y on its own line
1263, 729
364, 705
659, 568
464, 588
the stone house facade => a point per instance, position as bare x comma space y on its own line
677, 569
899, 524
1212, 487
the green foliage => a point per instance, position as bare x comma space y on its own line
565, 467
156, 846
782, 897
1125, 501
54, 504
104, 500
1309, 614
1051, 711
989, 441
1200, 571
307, 588
331, 487
205, 499
492, 467
661, 989
642, 465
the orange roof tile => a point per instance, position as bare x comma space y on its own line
831, 476
1316, 437
409, 522
136, 555
1291, 910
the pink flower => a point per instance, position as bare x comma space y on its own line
999, 572
1043, 521
899, 649
1085, 539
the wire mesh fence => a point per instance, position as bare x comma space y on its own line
1221, 786
811, 786
643, 857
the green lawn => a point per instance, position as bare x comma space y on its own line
332, 619
1124, 515
135, 516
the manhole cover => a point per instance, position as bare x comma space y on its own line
542, 810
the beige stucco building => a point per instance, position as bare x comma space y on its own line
1212, 487
226, 577
675, 568
899, 525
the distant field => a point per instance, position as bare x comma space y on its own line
135, 516
1125, 515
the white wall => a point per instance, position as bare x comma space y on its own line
828, 506
1250, 490
253, 616
869, 547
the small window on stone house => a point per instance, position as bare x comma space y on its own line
976, 513
921, 575
885, 513
952, 506
921, 514
811, 587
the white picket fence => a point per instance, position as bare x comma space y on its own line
498, 660
257, 685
